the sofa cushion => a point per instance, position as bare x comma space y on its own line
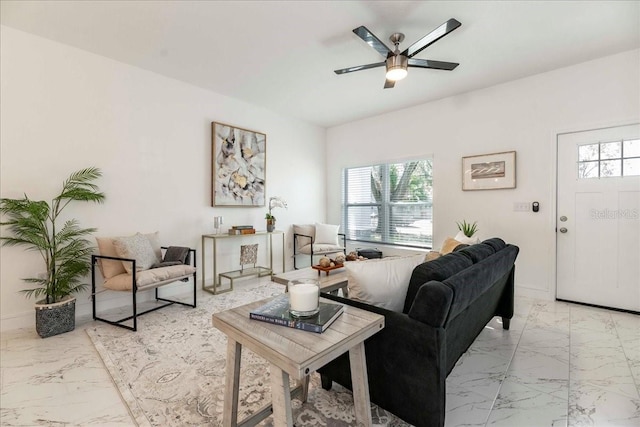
136, 247
438, 269
472, 282
149, 278
326, 234
109, 268
496, 243
478, 252
381, 282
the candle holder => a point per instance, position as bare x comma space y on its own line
304, 297
217, 222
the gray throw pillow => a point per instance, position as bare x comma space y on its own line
136, 247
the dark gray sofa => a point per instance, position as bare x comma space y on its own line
449, 301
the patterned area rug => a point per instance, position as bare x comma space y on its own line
172, 371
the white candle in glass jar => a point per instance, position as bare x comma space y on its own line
303, 297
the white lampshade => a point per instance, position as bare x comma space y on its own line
396, 74
396, 68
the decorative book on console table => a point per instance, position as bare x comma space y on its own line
242, 229
276, 311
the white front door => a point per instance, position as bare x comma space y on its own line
598, 217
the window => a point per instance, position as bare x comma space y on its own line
609, 159
389, 203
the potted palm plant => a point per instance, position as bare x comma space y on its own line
65, 251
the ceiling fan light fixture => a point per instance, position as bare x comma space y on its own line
396, 67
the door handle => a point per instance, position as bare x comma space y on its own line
563, 230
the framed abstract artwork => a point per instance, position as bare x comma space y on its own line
238, 166
489, 171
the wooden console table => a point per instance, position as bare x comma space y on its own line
294, 353
236, 274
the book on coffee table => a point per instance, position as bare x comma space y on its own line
276, 311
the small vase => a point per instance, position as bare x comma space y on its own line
460, 237
271, 225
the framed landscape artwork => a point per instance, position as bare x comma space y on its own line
239, 166
489, 171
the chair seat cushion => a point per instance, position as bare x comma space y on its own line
319, 249
149, 278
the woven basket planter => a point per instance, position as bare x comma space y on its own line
56, 318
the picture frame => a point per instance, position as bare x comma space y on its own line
239, 163
489, 171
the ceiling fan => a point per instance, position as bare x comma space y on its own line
397, 62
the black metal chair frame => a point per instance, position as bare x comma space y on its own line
295, 247
134, 291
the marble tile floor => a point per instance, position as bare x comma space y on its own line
560, 364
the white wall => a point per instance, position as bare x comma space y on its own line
523, 115
63, 109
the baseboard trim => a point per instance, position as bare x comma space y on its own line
621, 310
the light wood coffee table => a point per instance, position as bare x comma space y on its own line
336, 279
295, 353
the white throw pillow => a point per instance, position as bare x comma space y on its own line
327, 234
382, 282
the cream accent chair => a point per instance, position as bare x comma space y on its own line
136, 263
316, 240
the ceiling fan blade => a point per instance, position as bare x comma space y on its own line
431, 38
389, 84
372, 40
358, 68
436, 65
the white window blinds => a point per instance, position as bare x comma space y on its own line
389, 203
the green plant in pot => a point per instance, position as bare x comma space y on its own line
65, 251
466, 232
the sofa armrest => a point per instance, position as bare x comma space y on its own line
95, 258
432, 303
406, 366
403, 330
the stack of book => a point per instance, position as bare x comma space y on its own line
276, 311
242, 229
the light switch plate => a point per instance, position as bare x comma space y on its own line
521, 206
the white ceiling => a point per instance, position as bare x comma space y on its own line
281, 54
